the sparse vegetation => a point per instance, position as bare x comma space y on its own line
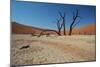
52, 49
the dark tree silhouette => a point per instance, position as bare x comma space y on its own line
60, 23
74, 22
63, 15
59, 26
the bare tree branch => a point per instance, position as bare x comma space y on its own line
74, 23
46, 31
60, 14
63, 15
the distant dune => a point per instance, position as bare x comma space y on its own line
24, 29
89, 29
86, 30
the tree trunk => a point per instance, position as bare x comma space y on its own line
59, 32
70, 31
64, 27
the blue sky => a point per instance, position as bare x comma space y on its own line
44, 15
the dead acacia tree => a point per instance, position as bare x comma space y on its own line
42, 32
59, 26
60, 23
63, 15
74, 22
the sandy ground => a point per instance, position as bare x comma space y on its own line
52, 49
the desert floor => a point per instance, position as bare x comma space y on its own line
52, 49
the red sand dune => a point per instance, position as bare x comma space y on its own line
18, 28
88, 29
24, 29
